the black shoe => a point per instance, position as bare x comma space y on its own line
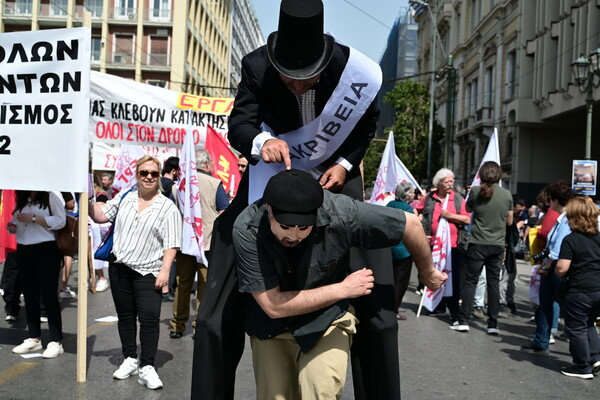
576, 373
532, 348
175, 335
512, 307
167, 297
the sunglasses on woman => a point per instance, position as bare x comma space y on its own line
144, 173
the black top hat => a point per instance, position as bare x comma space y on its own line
299, 49
295, 197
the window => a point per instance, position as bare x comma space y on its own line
59, 7
24, 6
153, 82
159, 51
123, 51
511, 74
458, 27
125, 9
468, 99
489, 87
161, 9
473, 15
473, 97
95, 7
96, 48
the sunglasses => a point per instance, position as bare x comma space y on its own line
144, 173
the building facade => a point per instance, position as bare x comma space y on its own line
399, 61
512, 60
245, 37
176, 44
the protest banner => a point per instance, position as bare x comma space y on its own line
125, 168
391, 172
188, 196
105, 155
224, 160
45, 89
125, 111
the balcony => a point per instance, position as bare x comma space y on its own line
158, 60
123, 14
484, 117
122, 59
20, 9
158, 15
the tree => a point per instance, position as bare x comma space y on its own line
411, 130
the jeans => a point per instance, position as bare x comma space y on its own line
136, 299
39, 268
480, 290
478, 256
545, 313
581, 311
507, 286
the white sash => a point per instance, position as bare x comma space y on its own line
315, 142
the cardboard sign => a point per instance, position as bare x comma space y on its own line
44, 112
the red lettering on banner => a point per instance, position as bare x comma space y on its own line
184, 97
214, 106
130, 133
197, 226
437, 245
110, 161
109, 130
229, 108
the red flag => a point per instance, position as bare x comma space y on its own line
8, 242
225, 160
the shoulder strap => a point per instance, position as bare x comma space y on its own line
458, 199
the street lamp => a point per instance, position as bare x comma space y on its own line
585, 71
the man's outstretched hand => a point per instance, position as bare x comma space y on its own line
434, 279
333, 179
276, 150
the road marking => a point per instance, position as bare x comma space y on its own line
15, 371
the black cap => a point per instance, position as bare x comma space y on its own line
299, 49
295, 197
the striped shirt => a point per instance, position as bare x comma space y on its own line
141, 239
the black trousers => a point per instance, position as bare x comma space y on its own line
135, 299
219, 338
11, 285
39, 268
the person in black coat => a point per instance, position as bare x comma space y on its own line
278, 83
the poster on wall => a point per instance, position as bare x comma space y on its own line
44, 109
584, 177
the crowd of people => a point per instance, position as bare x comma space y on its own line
289, 269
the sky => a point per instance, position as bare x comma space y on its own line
363, 25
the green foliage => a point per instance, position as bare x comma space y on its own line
411, 130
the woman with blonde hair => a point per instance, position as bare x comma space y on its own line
579, 263
147, 234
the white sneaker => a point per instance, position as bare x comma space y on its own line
53, 350
43, 319
10, 318
67, 294
457, 326
128, 368
27, 346
149, 378
101, 285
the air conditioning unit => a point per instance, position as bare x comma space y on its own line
118, 58
131, 16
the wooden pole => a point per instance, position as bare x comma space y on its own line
82, 266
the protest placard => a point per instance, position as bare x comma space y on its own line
44, 112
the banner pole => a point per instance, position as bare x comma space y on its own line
82, 266
421, 302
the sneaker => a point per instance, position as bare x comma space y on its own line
27, 346
101, 285
149, 378
551, 341
53, 350
10, 318
576, 373
1, 292
457, 326
492, 331
596, 367
533, 349
418, 292
67, 294
128, 368
479, 313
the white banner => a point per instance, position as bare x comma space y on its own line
315, 142
125, 169
188, 197
441, 254
44, 109
125, 111
391, 172
492, 153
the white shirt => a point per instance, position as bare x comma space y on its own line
34, 233
140, 239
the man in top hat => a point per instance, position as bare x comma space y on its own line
307, 101
291, 251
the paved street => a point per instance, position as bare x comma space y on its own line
435, 362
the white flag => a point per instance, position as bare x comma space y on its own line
188, 197
125, 170
441, 254
391, 172
491, 154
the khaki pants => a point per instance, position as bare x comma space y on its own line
186, 270
282, 371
